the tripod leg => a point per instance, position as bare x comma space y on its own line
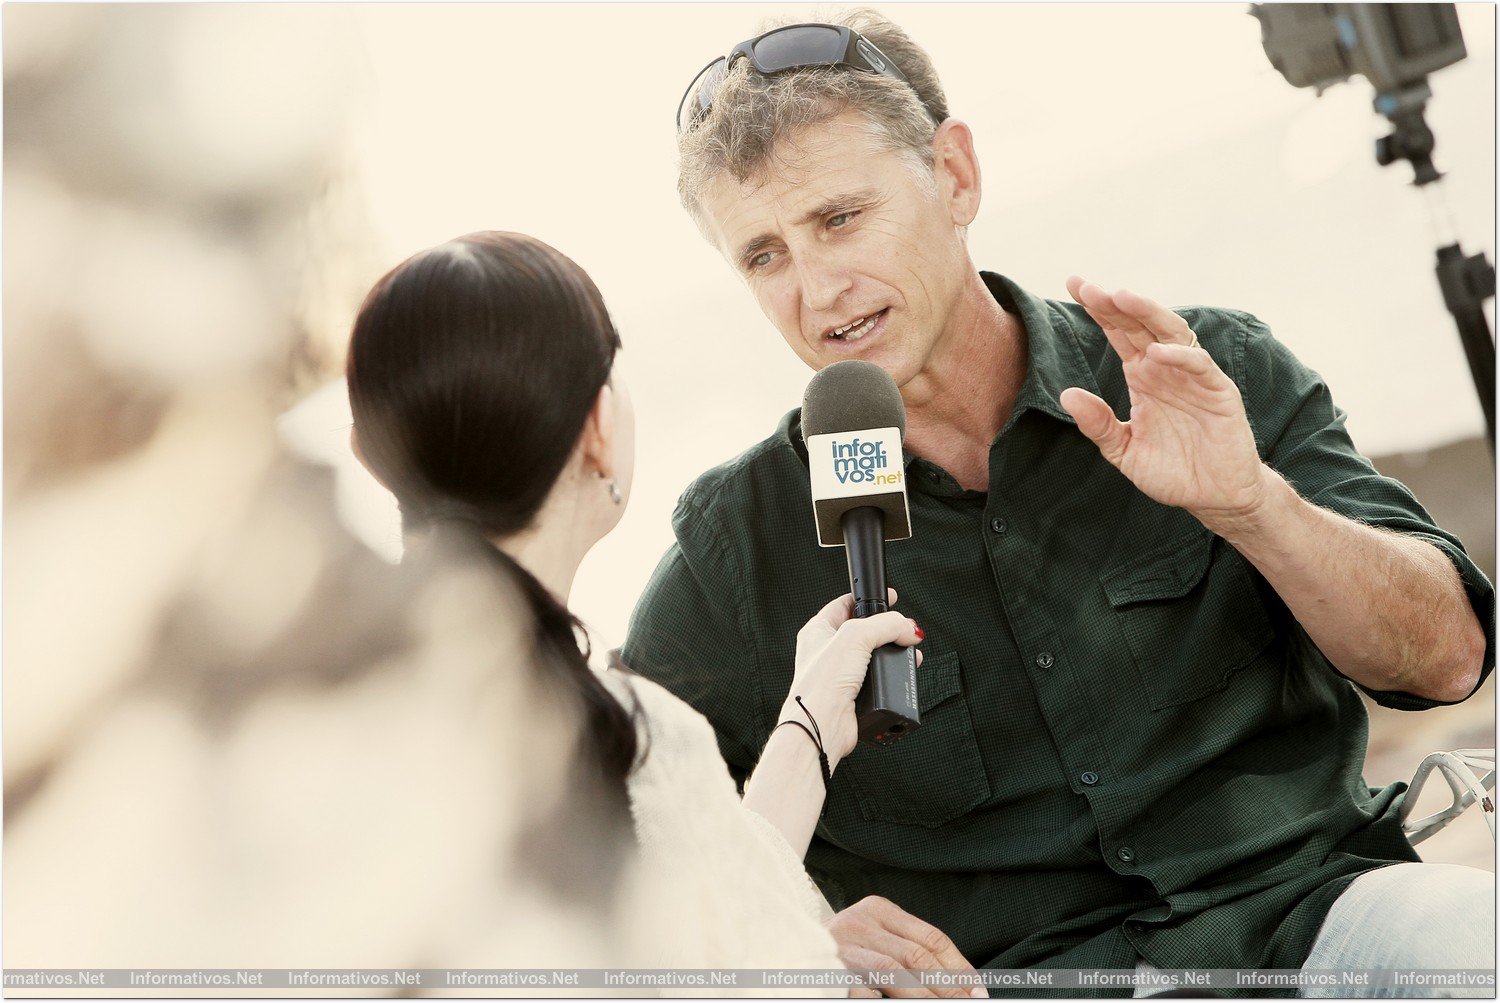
1466, 283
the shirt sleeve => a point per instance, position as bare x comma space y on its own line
689, 633
1300, 433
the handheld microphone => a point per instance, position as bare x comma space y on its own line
853, 422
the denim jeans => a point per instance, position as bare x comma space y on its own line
1405, 916
1410, 916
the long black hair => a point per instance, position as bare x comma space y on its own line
472, 369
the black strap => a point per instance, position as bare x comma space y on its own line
816, 735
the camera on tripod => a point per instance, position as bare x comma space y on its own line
1395, 47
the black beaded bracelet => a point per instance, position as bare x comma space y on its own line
817, 736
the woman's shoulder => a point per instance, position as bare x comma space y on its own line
726, 875
679, 784
664, 715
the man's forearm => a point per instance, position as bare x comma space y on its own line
1388, 611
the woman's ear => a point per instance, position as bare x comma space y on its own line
598, 442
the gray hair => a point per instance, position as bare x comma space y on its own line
752, 112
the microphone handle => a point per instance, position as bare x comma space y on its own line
864, 543
886, 705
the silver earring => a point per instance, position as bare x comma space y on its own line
614, 489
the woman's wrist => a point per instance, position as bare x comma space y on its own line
788, 787
834, 720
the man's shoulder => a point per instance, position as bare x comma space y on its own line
1226, 333
1221, 325
763, 475
1268, 374
1206, 321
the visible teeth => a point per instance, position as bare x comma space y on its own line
849, 326
856, 329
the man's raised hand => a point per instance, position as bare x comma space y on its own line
1188, 442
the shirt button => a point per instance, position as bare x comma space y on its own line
1126, 854
1089, 778
999, 526
1044, 660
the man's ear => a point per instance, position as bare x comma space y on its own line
956, 168
597, 443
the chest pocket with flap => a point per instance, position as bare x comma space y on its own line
932, 774
1191, 616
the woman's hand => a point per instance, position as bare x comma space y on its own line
833, 652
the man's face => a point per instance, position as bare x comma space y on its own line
847, 252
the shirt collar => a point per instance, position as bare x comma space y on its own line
1054, 360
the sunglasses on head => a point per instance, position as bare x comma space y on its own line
789, 47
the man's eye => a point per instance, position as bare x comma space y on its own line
841, 219
760, 260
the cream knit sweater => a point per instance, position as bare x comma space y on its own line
732, 889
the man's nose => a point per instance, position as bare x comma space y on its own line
823, 281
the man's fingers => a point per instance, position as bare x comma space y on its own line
878, 935
935, 943
863, 959
897, 952
1120, 327
1167, 326
888, 917
1118, 340
1098, 422
1144, 320
1181, 356
1138, 318
886, 972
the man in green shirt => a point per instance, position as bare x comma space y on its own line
1141, 741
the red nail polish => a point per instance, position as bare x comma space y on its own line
918, 630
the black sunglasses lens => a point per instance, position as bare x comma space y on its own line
700, 93
804, 45
712, 78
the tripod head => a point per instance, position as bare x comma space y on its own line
1394, 46
1411, 138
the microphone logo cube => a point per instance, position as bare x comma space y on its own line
845, 464
856, 468
861, 460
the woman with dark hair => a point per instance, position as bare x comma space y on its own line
480, 379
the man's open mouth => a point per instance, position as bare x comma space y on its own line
856, 329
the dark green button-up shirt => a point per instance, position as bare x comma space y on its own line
1129, 748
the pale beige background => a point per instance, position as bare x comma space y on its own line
1143, 145
1150, 146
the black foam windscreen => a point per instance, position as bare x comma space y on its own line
850, 396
